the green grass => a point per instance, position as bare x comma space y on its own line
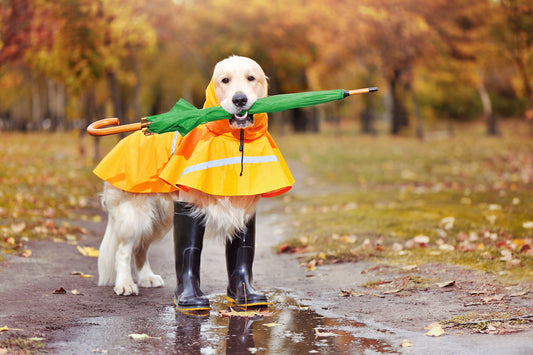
388, 190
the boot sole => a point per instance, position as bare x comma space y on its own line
191, 309
254, 304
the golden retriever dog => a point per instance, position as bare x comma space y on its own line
137, 219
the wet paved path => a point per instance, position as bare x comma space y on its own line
302, 304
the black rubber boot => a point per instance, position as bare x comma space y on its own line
239, 259
188, 242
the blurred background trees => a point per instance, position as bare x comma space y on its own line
64, 63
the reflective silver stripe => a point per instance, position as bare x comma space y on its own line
174, 142
228, 161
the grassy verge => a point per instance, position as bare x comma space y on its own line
46, 182
466, 200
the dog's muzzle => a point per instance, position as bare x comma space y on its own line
242, 120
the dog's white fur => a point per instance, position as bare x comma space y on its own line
137, 220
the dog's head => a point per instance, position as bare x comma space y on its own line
239, 82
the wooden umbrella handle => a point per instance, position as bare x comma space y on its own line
100, 127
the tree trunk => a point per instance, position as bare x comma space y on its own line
56, 105
299, 120
490, 119
418, 116
399, 112
136, 90
368, 116
115, 95
35, 103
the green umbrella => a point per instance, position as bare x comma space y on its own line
184, 117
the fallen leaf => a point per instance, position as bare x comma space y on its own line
421, 239
311, 266
76, 292
284, 248
270, 325
446, 283
349, 239
318, 333
528, 224
502, 330
435, 331
71, 237
406, 344
18, 227
506, 255
6, 328
86, 276
59, 291
446, 247
447, 222
88, 251
26, 253
76, 273
349, 292
478, 292
142, 336
525, 248
519, 293
243, 314
409, 267
495, 298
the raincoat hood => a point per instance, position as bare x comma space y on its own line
259, 128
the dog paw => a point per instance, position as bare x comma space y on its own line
151, 281
126, 289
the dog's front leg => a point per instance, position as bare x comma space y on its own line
124, 284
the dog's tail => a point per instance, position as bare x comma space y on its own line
106, 258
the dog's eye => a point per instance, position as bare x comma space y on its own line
251, 78
225, 80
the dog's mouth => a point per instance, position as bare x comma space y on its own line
241, 120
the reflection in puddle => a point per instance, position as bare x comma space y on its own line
290, 329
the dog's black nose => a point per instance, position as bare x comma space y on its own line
239, 99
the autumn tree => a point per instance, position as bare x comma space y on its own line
18, 32
259, 29
403, 39
513, 31
464, 48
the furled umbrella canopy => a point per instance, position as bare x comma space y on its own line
184, 117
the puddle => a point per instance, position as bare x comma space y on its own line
290, 329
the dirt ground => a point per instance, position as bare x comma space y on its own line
370, 320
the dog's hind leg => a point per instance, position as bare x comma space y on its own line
146, 277
161, 218
106, 257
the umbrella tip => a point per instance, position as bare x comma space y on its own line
360, 91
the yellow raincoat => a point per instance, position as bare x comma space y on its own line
208, 159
